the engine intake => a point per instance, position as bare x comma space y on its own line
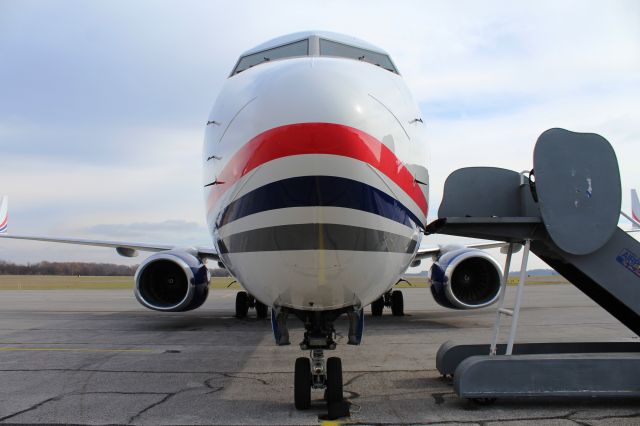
466, 279
172, 281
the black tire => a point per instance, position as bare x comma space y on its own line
261, 310
377, 307
242, 304
334, 380
302, 384
397, 303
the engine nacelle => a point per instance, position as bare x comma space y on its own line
172, 281
466, 279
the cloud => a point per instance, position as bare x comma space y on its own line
103, 103
184, 231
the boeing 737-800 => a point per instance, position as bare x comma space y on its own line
316, 188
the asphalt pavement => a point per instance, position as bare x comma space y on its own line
97, 357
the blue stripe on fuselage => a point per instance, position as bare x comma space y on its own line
318, 191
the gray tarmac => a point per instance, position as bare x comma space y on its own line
97, 357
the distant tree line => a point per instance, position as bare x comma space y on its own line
67, 268
78, 268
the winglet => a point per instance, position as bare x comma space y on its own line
635, 207
4, 213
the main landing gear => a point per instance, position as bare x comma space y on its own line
244, 301
391, 299
315, 372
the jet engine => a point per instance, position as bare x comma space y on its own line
172, 281
465, 279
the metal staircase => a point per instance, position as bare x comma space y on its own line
565, 211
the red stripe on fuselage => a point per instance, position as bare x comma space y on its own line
316, 138
5, 221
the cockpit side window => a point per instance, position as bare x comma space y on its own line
298, 48
332, 48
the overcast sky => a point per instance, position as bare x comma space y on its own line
103, 103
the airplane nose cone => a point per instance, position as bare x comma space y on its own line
315, 88
318, 89
315, 107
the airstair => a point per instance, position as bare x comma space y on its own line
565, 211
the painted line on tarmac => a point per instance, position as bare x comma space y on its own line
8, 349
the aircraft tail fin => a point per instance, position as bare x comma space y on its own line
4, 213
635, 207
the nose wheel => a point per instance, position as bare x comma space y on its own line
315, 373
334, 380
302, 384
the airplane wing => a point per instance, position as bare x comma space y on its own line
127, 249
433, 252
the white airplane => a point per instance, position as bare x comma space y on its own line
4, 214
634, 217
316, 187
635, 210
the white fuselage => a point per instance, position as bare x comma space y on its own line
311, 165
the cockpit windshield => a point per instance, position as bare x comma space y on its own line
314, 46
332, 48
298, 48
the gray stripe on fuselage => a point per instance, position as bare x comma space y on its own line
316, 236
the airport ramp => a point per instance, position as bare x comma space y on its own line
567, 207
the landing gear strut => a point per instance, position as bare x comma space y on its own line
391, 299
315, 372
244, 301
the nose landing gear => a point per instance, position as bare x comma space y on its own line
315, 372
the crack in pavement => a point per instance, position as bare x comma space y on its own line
76, 393
498, 420
116, 393
218, 389
613, 416
214, 389
236, 376
167, 395
33, 407
356, 377
579, 422
149, 407
99, 363
207, 384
